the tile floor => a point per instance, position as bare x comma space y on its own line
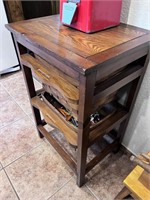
30, 169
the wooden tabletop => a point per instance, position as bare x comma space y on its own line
82, 52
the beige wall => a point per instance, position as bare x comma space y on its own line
137, 136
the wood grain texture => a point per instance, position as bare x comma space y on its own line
68, 158
135, 186
78, 50
52, 78
86, 70
52, 117
61, 74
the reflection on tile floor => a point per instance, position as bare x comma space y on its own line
32, 169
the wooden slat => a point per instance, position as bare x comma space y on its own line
100, 156
65, 155
121, 50
107, 68
107, 125
51, 78
118, 85
102, 101
46, 56
64, 56
116, 78
54, 118
72, 107
58, 71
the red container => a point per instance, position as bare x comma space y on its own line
95, 15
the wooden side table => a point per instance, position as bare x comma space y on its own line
84, 73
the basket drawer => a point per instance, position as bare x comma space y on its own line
55, 119
61, 86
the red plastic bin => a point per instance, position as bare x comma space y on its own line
95, 15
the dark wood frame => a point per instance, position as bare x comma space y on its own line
89, 89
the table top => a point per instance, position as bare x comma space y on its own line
79, 50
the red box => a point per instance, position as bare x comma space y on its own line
95, 15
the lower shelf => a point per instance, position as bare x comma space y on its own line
53, 117
107, 125
70, 155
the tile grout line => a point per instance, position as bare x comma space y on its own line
11, 184
27, 115
14, 98
22, 155
92, 192
9, 75
60, 188
17, 104
1, 166
13, 122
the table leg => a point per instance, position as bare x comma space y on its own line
122, 194
32, 93
86, 92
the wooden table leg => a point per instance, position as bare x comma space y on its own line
29, 84
32, 93
82, 155
86, 92
122, 194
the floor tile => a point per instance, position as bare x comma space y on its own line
38, 174
4, 96
6, 190
20, 138
37, 84
92, 151
72, 192
0, 166
47, 126
18, 81
10, 76
24, 103
31, 117
16, 86
106, 179
10, 112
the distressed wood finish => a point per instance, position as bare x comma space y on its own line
83, 72
55, 119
